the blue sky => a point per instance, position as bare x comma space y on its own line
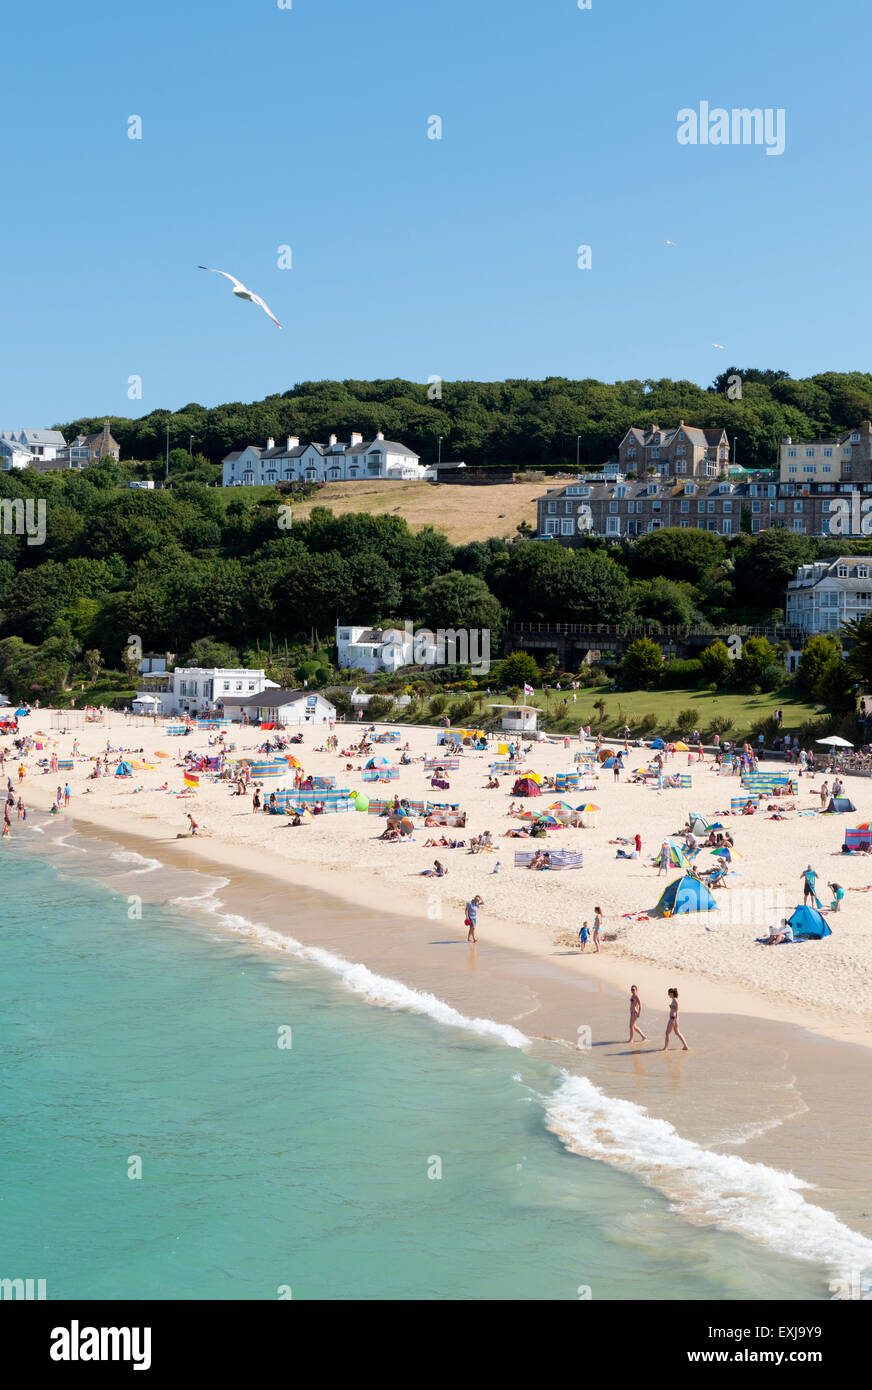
307, 127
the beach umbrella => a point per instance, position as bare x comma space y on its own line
835, 742
291, 760
588, 806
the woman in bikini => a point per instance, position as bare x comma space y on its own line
635, 1011
672, 1025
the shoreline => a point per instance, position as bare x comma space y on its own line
363, 887
805, 1086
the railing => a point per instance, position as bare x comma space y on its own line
777, 631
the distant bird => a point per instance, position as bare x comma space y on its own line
669, 243
241, 292
720, 346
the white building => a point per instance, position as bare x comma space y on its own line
21, 448
280, 707
373, 649
823, 595
518, 719
321, 463
198, 689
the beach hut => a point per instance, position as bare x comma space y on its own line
839, 804
808, 924
525, 786
685, 894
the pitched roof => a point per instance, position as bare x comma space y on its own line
267, 699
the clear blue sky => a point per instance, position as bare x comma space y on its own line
308, 127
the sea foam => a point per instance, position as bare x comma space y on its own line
705, 1187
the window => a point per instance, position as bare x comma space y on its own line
727, 507
681, 436
809, 468
828, 453
809, 453
613, 525
681, 448
655, 506
225, 685
567, 526
684, 524
855, 437
791, 468
613, 506
755, 526
797, 506
842, 571
726, 526
799, 525
781, 507
238, 685
700, 506
685, 507
826, 468
251, 686
863, 572
655, 453
631, 453
567, 507
755, 506
791, 453
552, 506
710, 506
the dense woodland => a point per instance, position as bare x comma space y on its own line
515, 424
211, 575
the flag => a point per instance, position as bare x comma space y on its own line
528, 689
191, 780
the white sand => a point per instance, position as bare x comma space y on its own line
825, 985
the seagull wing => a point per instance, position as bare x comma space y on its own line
256, 299
718, 345
237, 284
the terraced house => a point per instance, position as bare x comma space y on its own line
321, 463
624, 509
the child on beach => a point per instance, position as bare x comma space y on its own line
583, 935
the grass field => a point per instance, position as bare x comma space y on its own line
630, 707
462, 512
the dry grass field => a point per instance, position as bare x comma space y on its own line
462, 512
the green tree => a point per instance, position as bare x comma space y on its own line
518, 670
456, 600
717, 667
642, 664
757, 654
816, 655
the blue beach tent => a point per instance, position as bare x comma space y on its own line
658, 743
808, 924
686, 894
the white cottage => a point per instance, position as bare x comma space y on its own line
280, 707
321, 463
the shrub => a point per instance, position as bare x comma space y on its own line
648, 722
438, 705
681, 675
462, 710
771, 677
686, 720
379, 706
720, 724
768, 727
642, 664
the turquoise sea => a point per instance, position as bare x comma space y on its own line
383, 1154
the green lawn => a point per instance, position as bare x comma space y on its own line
631, 706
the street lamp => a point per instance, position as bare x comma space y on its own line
439, 453
577, 447
167, 466
191, 446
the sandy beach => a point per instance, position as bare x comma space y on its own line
821, 985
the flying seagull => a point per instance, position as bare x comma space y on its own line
669, 243
718, 345
241, 292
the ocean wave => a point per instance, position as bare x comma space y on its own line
705, 1187
378, 989
130, 856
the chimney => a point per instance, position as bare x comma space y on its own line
293, 442
270, 443
380, 435
332, 441
355, 440
106, 431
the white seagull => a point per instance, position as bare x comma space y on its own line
241, 292
718, 345
669, 243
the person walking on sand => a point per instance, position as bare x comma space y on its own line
635, 1011
472, 917
583, 936
824, 793
664, 858
597, 927
809, 878
672, 1024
